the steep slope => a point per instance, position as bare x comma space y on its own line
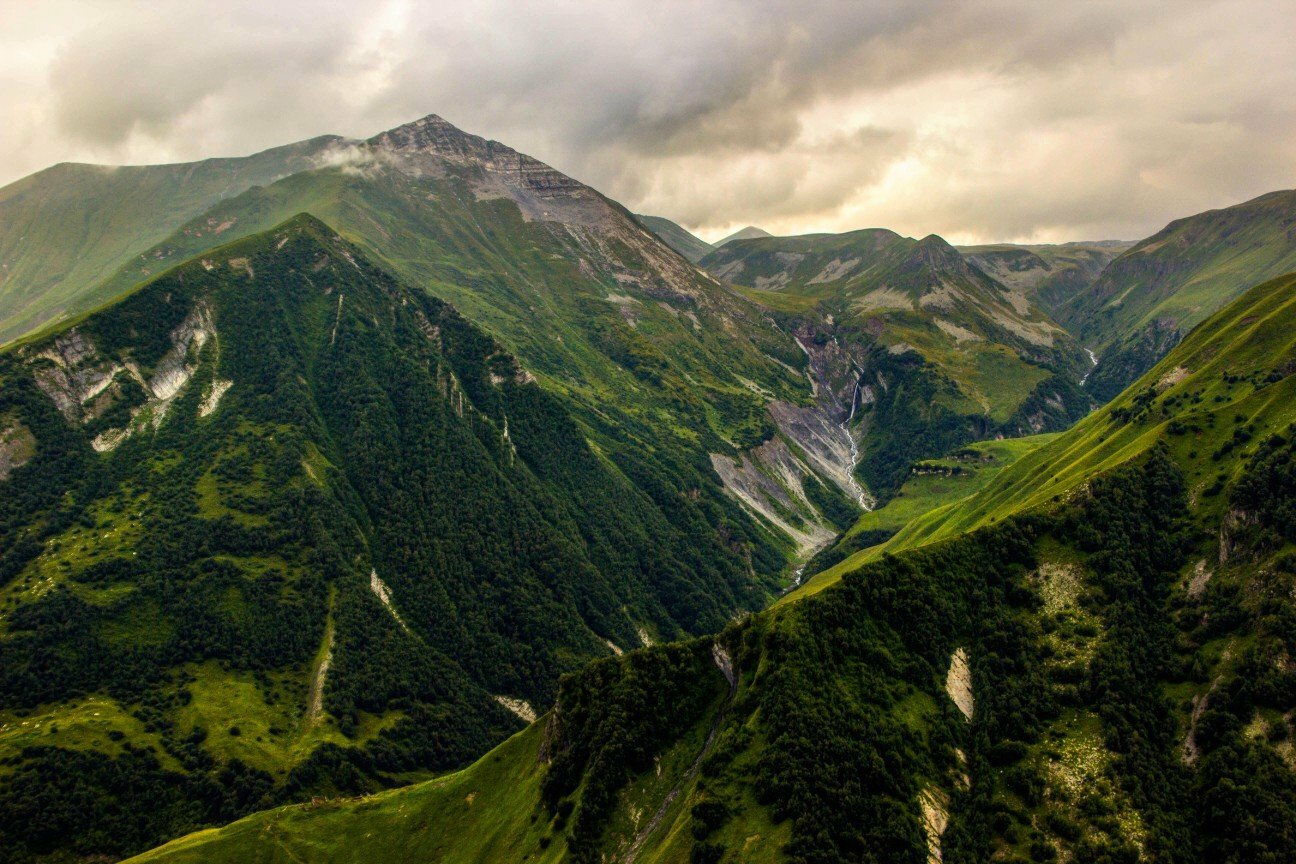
1228, 383
936, 353
275, 525
1149, 297
1047, 274
1106, 678
641, 343
678, 238
66, 229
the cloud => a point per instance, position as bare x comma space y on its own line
1007, 119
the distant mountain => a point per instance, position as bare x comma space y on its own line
1092, 664
676, 237
276, 525
1146, 299
933, 352
1049, 274
67, 229
751, 232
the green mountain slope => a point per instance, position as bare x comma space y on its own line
66, 229
638, 341
1227, 383
1149, 297
678, 238
937, 353
276, 525
1102, 678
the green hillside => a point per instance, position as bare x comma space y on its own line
275, 525
1101, 678
1227, 383
675, 236
940, 353
65, 230
1149, 297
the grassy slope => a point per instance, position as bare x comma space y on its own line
1147, 298
1245, 339
66, 230
1188, 270
947, 480
479, 814
677, 237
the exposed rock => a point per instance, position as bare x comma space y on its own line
315, 709
1200, 579
935, 809
520, 707
83, 384
212, 396
380, 590
958, 682
71, 373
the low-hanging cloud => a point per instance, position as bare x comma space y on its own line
1008, 119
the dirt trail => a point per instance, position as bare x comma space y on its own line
725, 665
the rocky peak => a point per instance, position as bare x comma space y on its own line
434, 134
934, 254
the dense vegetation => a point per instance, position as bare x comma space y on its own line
383, 523
1127, 643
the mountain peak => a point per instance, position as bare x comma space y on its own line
434, 133
751, 232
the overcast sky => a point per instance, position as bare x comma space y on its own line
990, 120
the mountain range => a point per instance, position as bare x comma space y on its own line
325, 471
1088, 659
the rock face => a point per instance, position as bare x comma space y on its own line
84, 384
958, 683
542, 193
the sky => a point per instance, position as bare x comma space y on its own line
980, 120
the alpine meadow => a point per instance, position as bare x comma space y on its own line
396, 496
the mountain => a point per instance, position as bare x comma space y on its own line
1048, 274
751, 232
276, 525
646, 349
1091, 663
933, 353
1148, 297
676, 237
65, 230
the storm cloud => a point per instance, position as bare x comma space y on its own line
998, 120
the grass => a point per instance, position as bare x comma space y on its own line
971, 469
486, 812
92, 723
